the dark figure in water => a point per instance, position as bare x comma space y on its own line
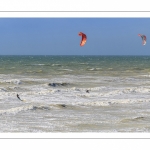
52, 84
87, 91
18, 97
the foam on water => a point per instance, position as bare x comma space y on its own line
112, 102
56, 64
65, 69
55, 97
16, 110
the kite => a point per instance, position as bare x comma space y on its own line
143, 38
84, 38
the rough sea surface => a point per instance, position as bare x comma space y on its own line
75, 94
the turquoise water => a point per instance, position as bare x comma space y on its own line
55, 97
79, 64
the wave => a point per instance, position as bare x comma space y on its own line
106, 91
83, 63
65, 69
95, 69
32, 107
3, 90
102, 91
19, 82
10, 81
58, 106
17, 88
74, 105
38, 64
17, 109
136, 68
24, 80
58, 84
131, 90
92, 69
126, 120
23, 108
145, 75
113, 102
35, 71
123, 91
56, 65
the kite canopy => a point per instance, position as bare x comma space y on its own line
143, 38
84, 38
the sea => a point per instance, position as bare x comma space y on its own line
74, 94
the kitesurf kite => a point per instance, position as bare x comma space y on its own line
143, 38
84, 38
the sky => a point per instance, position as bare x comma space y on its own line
59, 36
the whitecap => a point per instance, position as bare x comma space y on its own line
65, 69
56, 64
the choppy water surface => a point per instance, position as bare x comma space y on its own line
75, 93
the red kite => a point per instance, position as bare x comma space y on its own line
84, 38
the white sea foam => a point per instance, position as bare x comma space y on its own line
38, 64
26, 108
14, 81
112, 96
17, 109
91, 69
56, 64
114, 102
84, 63
3, 89
65, 69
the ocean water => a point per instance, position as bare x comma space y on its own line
74, 94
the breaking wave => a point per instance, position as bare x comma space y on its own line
23, 108
32, 107
113, 102
58, 84
11, 81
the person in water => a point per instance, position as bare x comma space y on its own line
87, 91
18, 97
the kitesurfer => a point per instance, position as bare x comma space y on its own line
18, 97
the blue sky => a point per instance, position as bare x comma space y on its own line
59, 36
